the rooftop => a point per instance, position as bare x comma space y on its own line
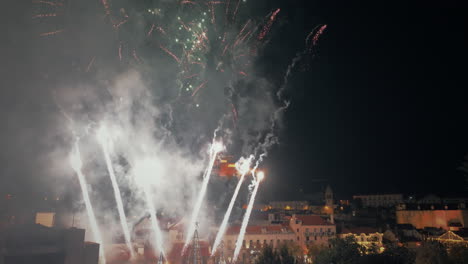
312, 220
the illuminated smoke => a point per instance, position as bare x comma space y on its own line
157, 244
215, 148
245, 221
103, 138
144, 170
243, 166
77, 164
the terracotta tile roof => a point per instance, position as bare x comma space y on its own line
312, 220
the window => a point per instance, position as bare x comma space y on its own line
298, 239
298, 230
307, 238
315, 237
243, 243
250, 244
264, 243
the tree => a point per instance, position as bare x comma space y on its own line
397, 255
458, 254
342, 251
268, 256
283, 255
313, 250
432, 253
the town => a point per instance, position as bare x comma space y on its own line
376, 223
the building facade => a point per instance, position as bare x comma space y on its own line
368, 237
380, 200
289, 205
40, 244
311, 229
432, 217
256, 237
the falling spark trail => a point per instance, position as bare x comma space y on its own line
170, 53
235, 11
154, 221
120, 51
48, 3
316, 36
198, 88
90, 64
51, 33
151, 30
104, 142
245, 221
215, 148
222, 228
45, 15
191, 76
76, 164
267, 27
135, 56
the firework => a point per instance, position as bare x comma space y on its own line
256, 182
243, 167
215, 148
76, 164
103, 139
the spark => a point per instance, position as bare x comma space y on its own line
170, 53
48, 3
117, 26
235, 11
245, 221
135, 56
151, 30
240, 33
317, 34
106, 7
45, 15
190, 76
51, 33
268, 25
120, 51
104, 141
242, 166
215, 148
90, 64
77, 164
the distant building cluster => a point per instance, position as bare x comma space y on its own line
300, 224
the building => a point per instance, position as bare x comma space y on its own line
438, 216
311, 229
38, 244
289, 205
451, 238
365, 236
256, 237
380, 200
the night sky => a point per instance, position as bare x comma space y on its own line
382, 107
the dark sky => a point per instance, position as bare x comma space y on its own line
384, 108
